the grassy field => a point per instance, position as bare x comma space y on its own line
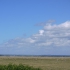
45, 63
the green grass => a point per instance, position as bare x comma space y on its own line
45, 63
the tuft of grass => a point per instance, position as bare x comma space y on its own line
17, 67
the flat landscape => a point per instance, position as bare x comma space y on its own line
45, 63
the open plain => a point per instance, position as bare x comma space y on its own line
45, 63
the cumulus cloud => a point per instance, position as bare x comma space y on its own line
51, 36
41, 32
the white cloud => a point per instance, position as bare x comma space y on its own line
41, 32
52, 35
30, 40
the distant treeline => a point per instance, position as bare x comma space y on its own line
39, 55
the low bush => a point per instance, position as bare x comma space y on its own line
17, 67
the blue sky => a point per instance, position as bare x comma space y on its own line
35, 27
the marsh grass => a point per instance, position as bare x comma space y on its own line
45, 63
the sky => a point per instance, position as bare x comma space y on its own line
35, 27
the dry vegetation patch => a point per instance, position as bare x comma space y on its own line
45, 63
